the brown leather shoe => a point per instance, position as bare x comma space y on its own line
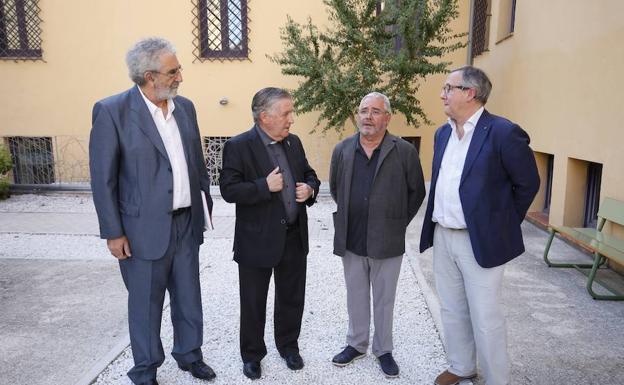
448, 378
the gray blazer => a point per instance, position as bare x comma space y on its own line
131, 176
397, 192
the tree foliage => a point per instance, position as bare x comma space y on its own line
367, 48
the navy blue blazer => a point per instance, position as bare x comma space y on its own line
131, 177
497, 186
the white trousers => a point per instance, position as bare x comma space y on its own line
472, 315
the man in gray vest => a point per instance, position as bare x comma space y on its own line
377, 182
147, 177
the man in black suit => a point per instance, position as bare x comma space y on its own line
266, 173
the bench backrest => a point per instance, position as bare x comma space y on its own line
612, 210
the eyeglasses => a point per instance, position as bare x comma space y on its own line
171, 73
448, 87
376, 112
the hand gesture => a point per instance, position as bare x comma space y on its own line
303, 192
275, 180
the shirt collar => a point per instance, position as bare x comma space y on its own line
471, 123
266, 139
154, 108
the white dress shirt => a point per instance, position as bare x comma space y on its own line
170, 134
447, 208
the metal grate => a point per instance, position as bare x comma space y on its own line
480, 27
213, 153
20, 31
33, 160
221, 29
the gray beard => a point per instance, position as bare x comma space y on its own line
166, 93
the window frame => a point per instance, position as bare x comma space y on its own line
24, 52
225, 52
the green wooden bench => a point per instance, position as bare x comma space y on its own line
604, 246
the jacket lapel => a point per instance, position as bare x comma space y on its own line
145, 121
387, 145
478, 138
438, 154
184, 127
348, 156
291, 156
259, 152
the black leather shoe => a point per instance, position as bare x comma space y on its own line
199, 369
293, 361
388, 365
347, 356
252, 370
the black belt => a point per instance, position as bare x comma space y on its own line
181, 210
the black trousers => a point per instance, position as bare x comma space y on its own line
290, 276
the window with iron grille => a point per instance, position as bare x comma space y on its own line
222, 29
481, 26
213, 153
20, 33
33, 160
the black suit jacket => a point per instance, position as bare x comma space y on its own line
260, 233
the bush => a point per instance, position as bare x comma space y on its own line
4, 188
5, 166
5, 160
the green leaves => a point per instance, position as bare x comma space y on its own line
364, 50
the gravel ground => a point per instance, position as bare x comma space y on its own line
418, 349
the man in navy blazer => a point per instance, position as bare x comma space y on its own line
266, 173
483, 181
147, 177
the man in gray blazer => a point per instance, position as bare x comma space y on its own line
377, 182
147, 177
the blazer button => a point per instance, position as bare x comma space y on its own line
170, 191
283, 221
169, 168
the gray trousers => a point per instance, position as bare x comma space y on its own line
360, 274
177, 272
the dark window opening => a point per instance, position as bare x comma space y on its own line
20, 31
549, 181
414, 140
223, 29
592, 194
33, 160
513, 16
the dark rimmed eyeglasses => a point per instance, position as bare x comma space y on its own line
448, 87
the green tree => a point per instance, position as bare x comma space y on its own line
367, 48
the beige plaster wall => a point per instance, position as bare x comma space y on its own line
84, 43
559, 77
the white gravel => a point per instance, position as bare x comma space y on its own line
418, 349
